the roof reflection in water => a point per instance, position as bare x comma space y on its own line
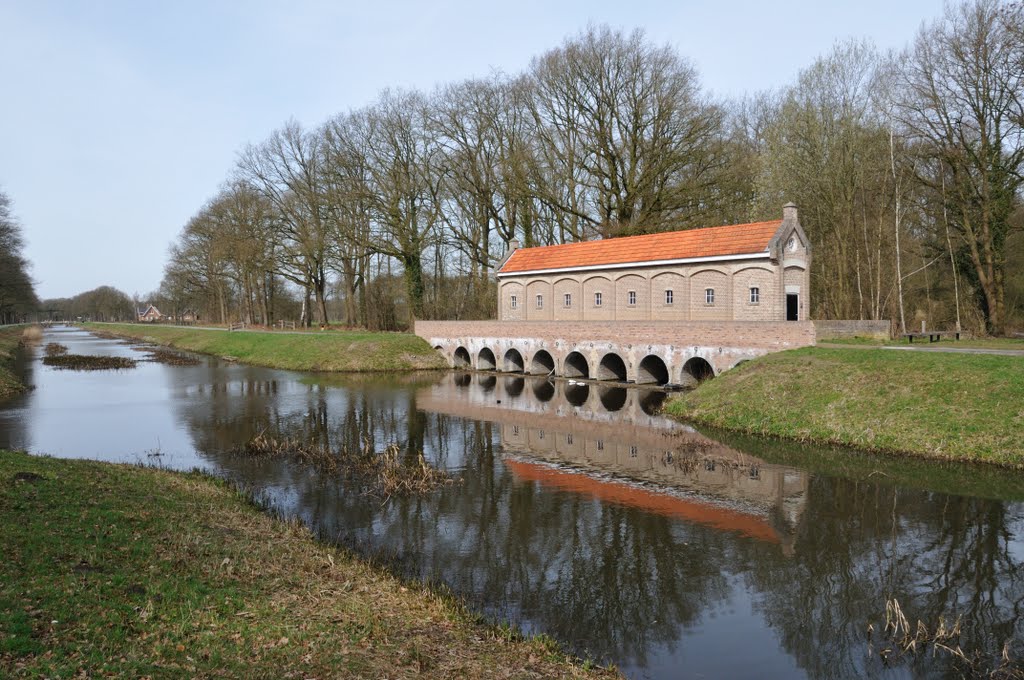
611, 443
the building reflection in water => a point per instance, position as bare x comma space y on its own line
611, 443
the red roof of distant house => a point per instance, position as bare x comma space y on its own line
735, 239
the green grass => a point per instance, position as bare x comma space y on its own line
348, 351
945, 406
966, 343
113, 570
10, 338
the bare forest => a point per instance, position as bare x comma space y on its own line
17, 293
907, 168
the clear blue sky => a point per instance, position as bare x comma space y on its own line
118, 119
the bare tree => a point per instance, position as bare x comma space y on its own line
962, 82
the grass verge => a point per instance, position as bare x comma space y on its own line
966, 343
945, 406
349, 351
10, 338
123, 571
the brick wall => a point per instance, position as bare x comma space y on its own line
836, 328
773, 335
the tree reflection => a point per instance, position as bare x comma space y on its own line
616, 581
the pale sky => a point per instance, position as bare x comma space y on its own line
119, 119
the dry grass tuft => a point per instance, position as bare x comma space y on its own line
160, 355
387, 473
84, 362
55, 349
901, 640
32, 334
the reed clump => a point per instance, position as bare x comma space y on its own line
32, 334
160, 355
900, 639
387, 473
85, 362
55, 349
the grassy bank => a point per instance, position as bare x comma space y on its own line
122, 571
10, 338
947, 406
350, 351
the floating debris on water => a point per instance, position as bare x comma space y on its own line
84, 362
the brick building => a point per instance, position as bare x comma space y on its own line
743, 272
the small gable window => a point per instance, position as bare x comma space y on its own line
632, 298
709, 296
755, 295
597, 299
513, 302
669, 297
568, 299
540, 302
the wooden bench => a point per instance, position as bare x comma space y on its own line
933, 336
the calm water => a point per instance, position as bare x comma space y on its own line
584, 514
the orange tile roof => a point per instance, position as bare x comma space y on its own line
735, 239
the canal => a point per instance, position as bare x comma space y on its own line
583, 514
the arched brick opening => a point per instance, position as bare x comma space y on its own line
514, 387
575, 366
577, 395
542, 364
485, 360
461, 358
513, 362
612, 367
651, 401
652, 370
543, 390
696, 370
612, 398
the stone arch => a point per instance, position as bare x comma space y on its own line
696, 370
651, 401
543, 363
543, 289
603, 285
612, 398
575, 366
514, 387
508, 312
640, 287
769, 303
461, 358
513, 362
560, 289
485, 360
612, 367
578, 394
543, 390
718, 281
652, 369
678, 308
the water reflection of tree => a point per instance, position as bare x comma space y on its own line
862, 543
616, 581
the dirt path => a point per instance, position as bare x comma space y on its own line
925, 348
